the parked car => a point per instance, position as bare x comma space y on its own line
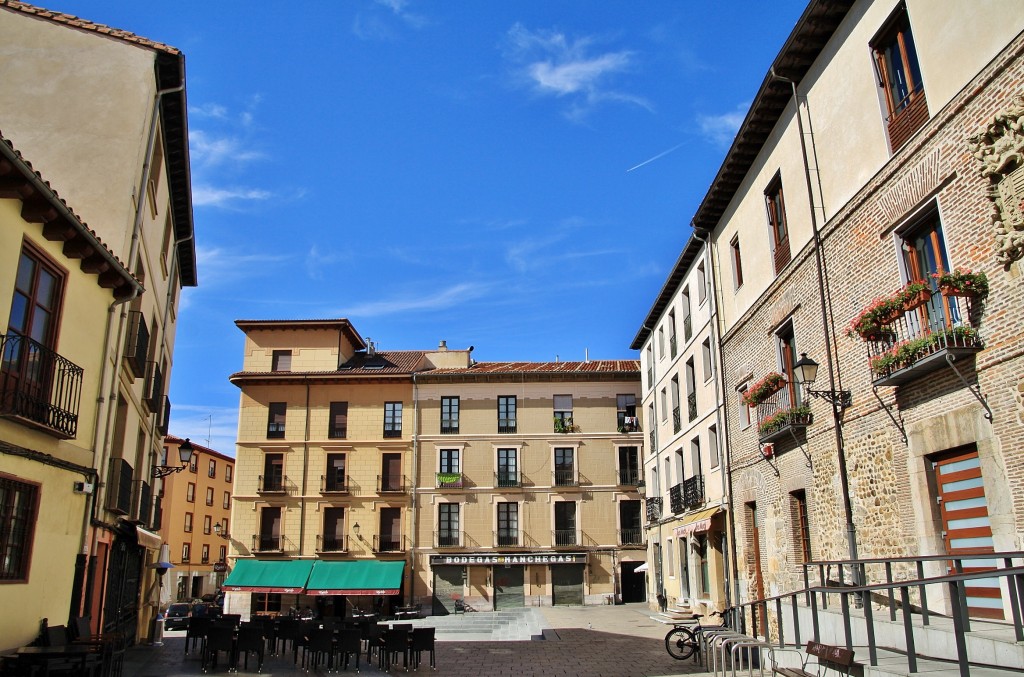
177, 615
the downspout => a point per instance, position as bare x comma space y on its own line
851, 533
722, 424
413, 497
305, 472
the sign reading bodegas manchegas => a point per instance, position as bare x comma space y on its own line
491, 559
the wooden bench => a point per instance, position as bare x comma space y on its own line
826, 657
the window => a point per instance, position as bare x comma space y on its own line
697, 466
802, 533
165, 248
228, 472
207, 524
390, 539
506, 414
702, 284
630, 523
924, 251
508, 524
672, 343
209, 496
778, 229
713, 446
334, 530
737, 262
449, 461
224, 527
744, 410
448, 525
269, 537
281, 360
691, 390
275, 420
186, 552
789, 396
650, 365
449, 415
677, 420
190, 492
392, 419
337, 425
227, 500
193, 464
212, 472
29, 387
565, 523
700, 550
684, 301
156, 170
18, 508
188, 522
899, 78
391, 478
563, 413
629, 466
661, 342
272, 478
670, 566
508, 467
625, 413
565, 467
664, 405
206, 553
222, 553
336, 480
709, 369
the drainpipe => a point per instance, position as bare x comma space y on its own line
851, 532
413, 498
305, 472
721, 423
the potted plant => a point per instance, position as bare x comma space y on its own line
962, 282
759, 392
793, 416
915, 295
872, 321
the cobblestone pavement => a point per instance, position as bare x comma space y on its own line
615, 641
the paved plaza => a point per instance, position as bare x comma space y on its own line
612, 641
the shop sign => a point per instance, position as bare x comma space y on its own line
492, 559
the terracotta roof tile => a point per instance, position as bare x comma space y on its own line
84, 24
592, 366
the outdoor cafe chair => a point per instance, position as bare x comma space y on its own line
396, 641
219, 638
319, 643
422, 640
349, 643
198, 626
251, 639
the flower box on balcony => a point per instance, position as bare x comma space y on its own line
873, 320
962, 282
764, 388
781, 421
921, 354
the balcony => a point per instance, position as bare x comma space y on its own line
448, 480
391, 431
675, 499
158, 513
39, 386
691, 406
392, 484
506, 425
650, 377
275, 430
924, 340
565, 478
629, 424
447, 538
271, 484
119, 486
654, 440
687, 328
332, 543
911, 114
564, 424
144, 511
677, 421
450, 426
508, 479
693, 491
334, 484
136, 346
778, 416
508, 538
629, 477
672, 345
388, 543
565, 538
654, 509
267, 543
634, 536
165, 417
153, 391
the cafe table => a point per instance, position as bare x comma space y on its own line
81, 658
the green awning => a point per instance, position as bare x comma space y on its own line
253, 575
363, 577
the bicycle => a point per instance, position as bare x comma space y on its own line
683, 640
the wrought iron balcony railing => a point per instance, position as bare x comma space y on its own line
271, 484
267, 543
675, 499
654, 441
507, 538
565, 478
450, 426
650, 377
564, 537
448, 538
628, 424
119, 486
165, 417
687, 328
334, 484
332, 543
448, 480
633, 536
672, 345
781, 414
388, 543
39, 385
391, 484
506, 425
136, 346
677, 421
391, 431
508, 478
629, 477
691, 406
153, 392
693, 491
654, 509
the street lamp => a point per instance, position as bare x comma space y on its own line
805, 371
217, 528
184, 454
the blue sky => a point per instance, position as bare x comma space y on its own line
516, 176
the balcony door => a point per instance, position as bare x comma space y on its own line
565, 523
391, 472
270, 529
508, 468
924, 255
629, 465
390, 529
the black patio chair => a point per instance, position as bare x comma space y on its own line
302, 634
219, 639
396, 641
319, 646
287, 631
198, 626
251, 639
373, 636
350, 642
422, 640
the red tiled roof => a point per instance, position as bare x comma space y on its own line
589, 367
85, 24
392, 363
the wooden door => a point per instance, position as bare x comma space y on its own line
966, 527
755, 558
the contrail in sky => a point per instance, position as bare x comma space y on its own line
659, 155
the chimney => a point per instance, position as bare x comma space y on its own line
442, 346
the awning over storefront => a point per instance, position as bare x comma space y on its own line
697, 522
148, 539
251, 575
641, 568
367, 577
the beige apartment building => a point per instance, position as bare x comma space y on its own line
526, 492
357, 496
126, 173
197, 521
880, 166
687, 501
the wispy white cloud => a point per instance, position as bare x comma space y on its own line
372, 25
571, 69
399, 8
209, 110
445, 298
721, 129
211, 196
230, 265
317, 260
212, 426
211, 150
